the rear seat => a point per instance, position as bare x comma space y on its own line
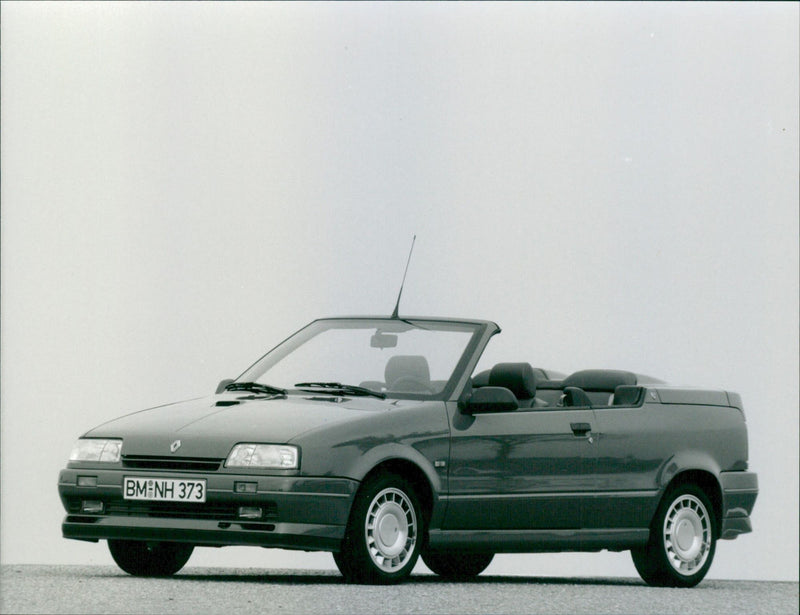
627, 395
600, 385
550, 391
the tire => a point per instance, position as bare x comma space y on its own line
384, 533
150, 559
682, 540
457, 566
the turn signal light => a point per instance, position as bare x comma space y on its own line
242, 487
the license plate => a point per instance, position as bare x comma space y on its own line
164, 489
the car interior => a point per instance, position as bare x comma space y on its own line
535, 390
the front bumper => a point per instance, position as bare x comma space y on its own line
298, 512
739, 492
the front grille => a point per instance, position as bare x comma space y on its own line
179, 510
190, 464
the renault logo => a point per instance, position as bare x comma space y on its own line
174, 446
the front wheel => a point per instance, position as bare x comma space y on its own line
457, 566
682, 540
150, 559
384, 532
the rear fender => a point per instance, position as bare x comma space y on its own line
697, 468
684, 461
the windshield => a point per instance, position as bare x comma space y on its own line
400, 358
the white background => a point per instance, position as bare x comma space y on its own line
183, 185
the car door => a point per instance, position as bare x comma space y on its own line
526, 469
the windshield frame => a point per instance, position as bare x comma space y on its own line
290, 344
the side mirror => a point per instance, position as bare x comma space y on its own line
221, 386
490, 399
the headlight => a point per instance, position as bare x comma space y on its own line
274, 456
96, 449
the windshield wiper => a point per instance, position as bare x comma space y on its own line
255, 387
340, 389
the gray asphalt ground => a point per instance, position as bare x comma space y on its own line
105, 589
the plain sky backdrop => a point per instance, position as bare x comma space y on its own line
184, 185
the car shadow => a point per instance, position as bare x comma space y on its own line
333, 578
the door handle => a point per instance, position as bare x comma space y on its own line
580, 429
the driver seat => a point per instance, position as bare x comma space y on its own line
411, 372
519, 378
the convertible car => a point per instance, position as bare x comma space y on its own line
373, 438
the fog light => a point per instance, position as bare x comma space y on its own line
87, 481
249, 512
240, 487
94, 507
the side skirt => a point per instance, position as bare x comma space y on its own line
537, 541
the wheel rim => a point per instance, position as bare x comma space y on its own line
391, 530
687, 534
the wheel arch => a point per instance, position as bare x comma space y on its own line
706, 481
424, 487
367, 555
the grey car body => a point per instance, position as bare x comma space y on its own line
519, 460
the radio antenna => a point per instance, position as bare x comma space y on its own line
400, 294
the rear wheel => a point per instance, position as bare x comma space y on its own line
384, 532
682, 540
150, 559
460, 566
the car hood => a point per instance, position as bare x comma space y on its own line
209, 427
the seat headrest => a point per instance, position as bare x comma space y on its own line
481, 379
412, 367
549, 384
519, 378
605, 380
625, 395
